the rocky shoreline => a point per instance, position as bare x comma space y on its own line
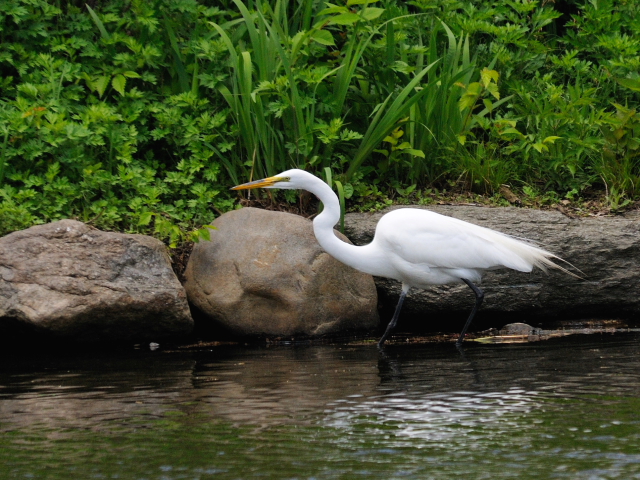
264, 276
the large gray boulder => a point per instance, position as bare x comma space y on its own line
68, 280
605, 249
264, 274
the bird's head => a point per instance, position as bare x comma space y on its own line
290, 179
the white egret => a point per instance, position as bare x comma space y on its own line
417, 247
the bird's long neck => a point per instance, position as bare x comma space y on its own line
323, 224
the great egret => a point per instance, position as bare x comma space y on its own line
416, 247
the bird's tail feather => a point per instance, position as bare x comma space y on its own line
527, 252
546, 262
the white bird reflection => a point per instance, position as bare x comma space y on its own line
436, 417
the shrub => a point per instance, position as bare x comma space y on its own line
138, 116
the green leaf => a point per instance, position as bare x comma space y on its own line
492, 88
551, 139
323, 37
487, 75
360, 2
28, 89
131, 74
204, 233
467, 101
540, 146
618, 133
631, 83
119, 83
474, 88
100, 84
372, 13
333, 9
510, 130
344, 19
415, 153
298, 38
145, 218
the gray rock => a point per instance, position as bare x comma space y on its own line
517, 328
605, 249
72, 281
264, 274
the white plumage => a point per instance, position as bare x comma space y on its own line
416, 247
425, 248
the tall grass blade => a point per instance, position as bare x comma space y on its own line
98, 22
183, 78
386, 119
342, 204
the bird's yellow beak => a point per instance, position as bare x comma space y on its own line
265, 182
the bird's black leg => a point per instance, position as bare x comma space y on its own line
394, 319
479, 297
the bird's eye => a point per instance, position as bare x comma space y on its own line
285, 179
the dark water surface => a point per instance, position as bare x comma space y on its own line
567, 409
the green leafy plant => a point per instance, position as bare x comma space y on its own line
137, 116
88, 131
620, 164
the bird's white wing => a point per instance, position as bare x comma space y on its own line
424, 237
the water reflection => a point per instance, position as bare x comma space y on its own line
262, 386
86, 392
438, 418
268, 386
568, 405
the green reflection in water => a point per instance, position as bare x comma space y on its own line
563, 410
569, 438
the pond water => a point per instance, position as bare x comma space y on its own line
566, 408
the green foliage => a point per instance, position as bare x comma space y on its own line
291, 96
620, 162
96, 123
138, 116
550, 132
